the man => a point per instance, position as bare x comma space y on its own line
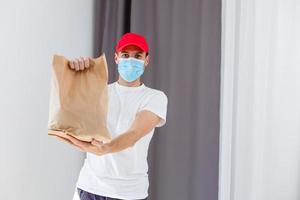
119, 169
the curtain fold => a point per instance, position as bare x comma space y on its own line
260, 141
111, 20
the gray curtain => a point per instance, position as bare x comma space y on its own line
185, 51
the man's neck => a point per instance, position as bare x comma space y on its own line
135, 83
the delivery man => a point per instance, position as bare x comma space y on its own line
119, 169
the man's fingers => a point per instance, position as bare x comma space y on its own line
86, 62
71, 64
96, 142
81, 63
76, 64
64, 139
77, 142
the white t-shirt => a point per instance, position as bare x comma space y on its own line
124, 174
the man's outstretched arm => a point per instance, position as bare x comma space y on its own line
143, 123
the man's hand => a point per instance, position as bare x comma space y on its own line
96, 147
80, 63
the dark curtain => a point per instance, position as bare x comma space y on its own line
111, 21
185, 56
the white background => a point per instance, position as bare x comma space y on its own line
34, 165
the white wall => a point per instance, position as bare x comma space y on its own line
34, 165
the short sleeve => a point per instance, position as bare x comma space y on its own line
157, 104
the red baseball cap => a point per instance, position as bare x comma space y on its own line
132, 39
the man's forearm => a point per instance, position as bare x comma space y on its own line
144, 122
123, 141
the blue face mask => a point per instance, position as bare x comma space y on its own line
130, 69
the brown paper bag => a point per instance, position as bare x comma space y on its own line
79, 100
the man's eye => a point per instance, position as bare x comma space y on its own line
124, 55
138, 56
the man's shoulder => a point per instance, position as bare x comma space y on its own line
155, 92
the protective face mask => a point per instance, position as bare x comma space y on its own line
130, 69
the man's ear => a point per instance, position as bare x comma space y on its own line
147, 60
116, 58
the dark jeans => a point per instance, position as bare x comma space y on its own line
84, 195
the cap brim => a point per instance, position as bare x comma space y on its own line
128, 44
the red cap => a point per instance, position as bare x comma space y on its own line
132, 39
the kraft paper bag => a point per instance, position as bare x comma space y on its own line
79, 100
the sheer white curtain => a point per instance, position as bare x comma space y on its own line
260, 105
